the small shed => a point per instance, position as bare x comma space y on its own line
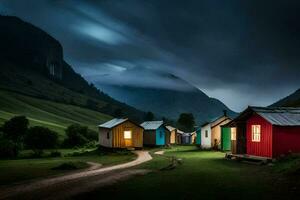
154, 133
172, 130
121, 133
267, 131
188, 138
211, 132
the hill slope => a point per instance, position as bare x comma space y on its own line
292, 100
56, 116
167, 102
32, 63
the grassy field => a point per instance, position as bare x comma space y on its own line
56, 116
13, 171
203, 175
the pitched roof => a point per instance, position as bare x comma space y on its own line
152, 125
216, 121
179, 131
170, 128
112, 123
281, 116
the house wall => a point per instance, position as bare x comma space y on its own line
167, 136
118, 140
150, 138
178, 138
285, 140
198, 137
173, 137
225, 138
102, 137
216, 132
206, 141
160, 136
264, 147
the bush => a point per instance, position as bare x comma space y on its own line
8, 149
15, 128
78, 135
70, 166
39, 138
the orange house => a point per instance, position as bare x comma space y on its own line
121, 133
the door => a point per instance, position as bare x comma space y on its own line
128, 138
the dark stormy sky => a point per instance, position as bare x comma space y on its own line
241, 52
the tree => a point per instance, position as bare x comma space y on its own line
186, 122
118, 113
76, 135
15, 129
149, 116
39, 138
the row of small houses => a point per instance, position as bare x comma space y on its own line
257, 131
124, 133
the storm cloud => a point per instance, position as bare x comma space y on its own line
241, 52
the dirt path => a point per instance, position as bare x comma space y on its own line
68, 185
159, 152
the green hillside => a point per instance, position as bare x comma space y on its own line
56, 116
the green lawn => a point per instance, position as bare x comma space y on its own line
202, 175
56, 116
12, 171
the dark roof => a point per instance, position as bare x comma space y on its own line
280, 116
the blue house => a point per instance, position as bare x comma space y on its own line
154, 133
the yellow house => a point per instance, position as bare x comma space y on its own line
121, 133
172, 131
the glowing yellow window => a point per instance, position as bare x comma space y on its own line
127, 135
255, 133
233, 133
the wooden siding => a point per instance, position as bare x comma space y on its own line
216, 132
168, 137
285, 140
103, 140
241, 135
118, 140
178, 138
262, 148
149, 138
173, 137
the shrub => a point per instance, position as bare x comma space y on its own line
8, 148
15, 128
70, 166
78, 135
39, 138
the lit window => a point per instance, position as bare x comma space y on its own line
206, 133
127, 135
255, 133
233, 133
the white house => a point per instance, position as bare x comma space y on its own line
206, 136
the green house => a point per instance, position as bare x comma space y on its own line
225, 138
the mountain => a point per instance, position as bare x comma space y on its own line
292, 100
167, 102
32, 64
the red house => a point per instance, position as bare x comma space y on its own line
266, 132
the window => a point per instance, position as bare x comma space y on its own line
206, 133
233, 133
107, 135
127, 135
255, 133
